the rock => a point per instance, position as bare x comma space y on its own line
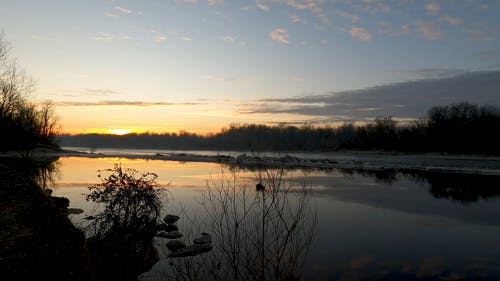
60, 202
170, 234
48, 191
167, 227
169, 219
175, 245
204, 239
191, 250
74, 211
259, 187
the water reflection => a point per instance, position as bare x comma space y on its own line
461, 188
258, 235
44, 171
380, 224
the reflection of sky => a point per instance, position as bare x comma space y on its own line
365, 226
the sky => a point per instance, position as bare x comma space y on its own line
201, 65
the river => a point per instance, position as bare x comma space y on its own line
377, 225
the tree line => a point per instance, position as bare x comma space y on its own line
23, 124
455, 128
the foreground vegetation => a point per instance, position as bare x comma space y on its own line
456, 128
24, 124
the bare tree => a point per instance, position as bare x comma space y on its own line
23, 124
258, 235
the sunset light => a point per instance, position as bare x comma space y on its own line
292, 139
119, 132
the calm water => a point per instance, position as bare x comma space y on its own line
369, 226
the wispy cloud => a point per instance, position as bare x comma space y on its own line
280, 35
122, 10
160, 38
371, 7
187, 38
389, 30
352, 17
429, 30
432, 7
433, 72
111, 15
360, 33
92, 92
261, 6
186, 1
229, 38
451, 20
311, 5
214, 2
123, 103
102, 36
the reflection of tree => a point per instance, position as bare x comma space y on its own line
43, 171
386, 176
463, 188
258, 235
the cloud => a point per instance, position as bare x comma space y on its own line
111, 15
186, 1
214, 2
371, 7
93, 92
432, 7
187, 38
360, 33
102, 36
386, 29
352, 17
160, 38
311, 5
409, 99
122, 10
122, 103
229, 38
261, 6
296, 18
433, 72
451, 20
280, 35
429, 30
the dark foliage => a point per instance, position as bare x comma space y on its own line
456, 128
121, 246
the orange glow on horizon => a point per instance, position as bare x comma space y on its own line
119, 132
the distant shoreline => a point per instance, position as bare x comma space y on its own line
353, 160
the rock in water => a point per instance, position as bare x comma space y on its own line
175, 245
168, 227
74, 211
204, 239
260, 187
170, 235
60, 202
191, 250
169, 219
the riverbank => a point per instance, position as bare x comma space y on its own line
39, 242
356, 160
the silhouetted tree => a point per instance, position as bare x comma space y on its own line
23, 124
